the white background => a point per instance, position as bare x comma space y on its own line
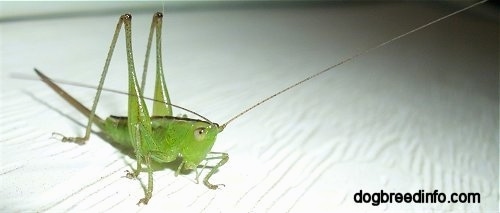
421, 113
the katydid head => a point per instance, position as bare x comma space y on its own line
199, 138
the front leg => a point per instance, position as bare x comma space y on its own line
224, 157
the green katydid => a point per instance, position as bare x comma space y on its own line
162, 137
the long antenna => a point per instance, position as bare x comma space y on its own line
349, 59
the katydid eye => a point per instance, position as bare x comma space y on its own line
199, 133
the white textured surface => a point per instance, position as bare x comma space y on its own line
421, 113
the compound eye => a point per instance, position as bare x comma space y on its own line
199, 133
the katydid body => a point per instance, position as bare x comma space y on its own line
189, 138
160, 137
